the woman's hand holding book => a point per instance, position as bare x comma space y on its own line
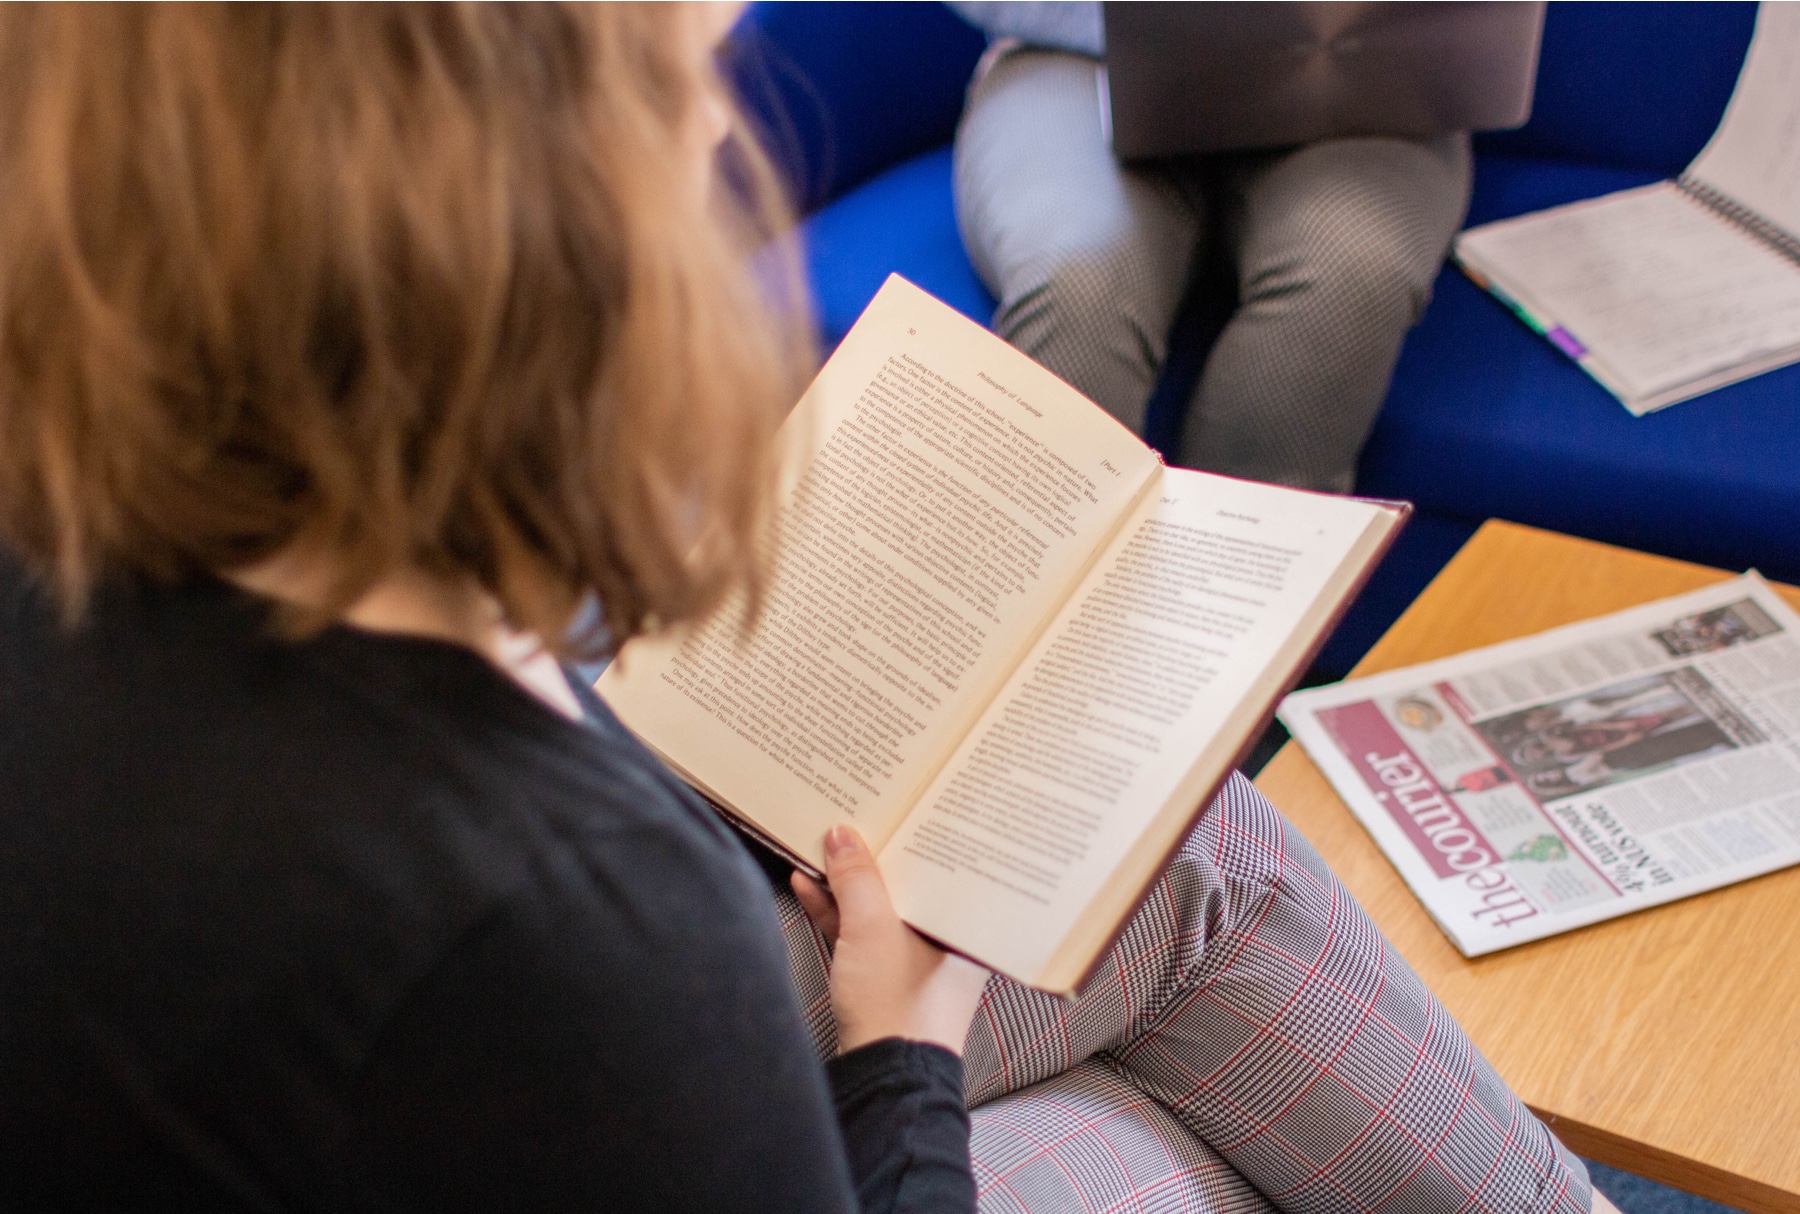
886, 979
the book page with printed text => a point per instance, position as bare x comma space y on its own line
947, 493
1061, 805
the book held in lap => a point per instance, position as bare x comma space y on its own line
1002, 640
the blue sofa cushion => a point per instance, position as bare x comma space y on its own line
1636, 86
842, 91
902, 222
1487, 418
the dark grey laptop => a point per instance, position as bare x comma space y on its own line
1184, 78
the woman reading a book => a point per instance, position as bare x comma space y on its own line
356, 366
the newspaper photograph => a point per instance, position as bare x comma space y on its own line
1554, 781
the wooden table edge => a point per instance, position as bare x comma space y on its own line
1665, 1167
1604, 1146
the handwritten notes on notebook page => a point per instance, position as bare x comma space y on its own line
1754, 156
1664, 292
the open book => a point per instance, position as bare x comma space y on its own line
1002, 640
1670, 290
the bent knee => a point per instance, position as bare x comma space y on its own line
1101, 290
1357, 265
1352, 248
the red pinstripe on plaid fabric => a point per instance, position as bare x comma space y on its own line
1252, 1041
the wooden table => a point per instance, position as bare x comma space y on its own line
1666, 1042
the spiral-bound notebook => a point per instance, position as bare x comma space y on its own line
1668, 291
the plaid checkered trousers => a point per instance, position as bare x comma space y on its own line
1251, 1043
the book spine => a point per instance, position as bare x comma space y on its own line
1783, 241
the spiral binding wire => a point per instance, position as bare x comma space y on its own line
1783, 241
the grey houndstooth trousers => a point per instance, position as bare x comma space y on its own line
1251, 1043
1334, 247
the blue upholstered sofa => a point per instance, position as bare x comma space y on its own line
1484, 419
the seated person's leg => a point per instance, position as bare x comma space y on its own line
1088, 261
1253, 1000
1337, 244
1085, 1138
1088, 1139
1286, 1032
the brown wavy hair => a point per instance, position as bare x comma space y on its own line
408, 285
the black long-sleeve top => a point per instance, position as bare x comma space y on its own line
356, 923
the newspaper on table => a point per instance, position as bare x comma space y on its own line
1547, 783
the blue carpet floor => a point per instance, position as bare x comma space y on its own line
1635, 1195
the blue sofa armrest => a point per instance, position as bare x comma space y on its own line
843, 91
1630, 86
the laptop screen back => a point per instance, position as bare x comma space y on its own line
1186, 78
